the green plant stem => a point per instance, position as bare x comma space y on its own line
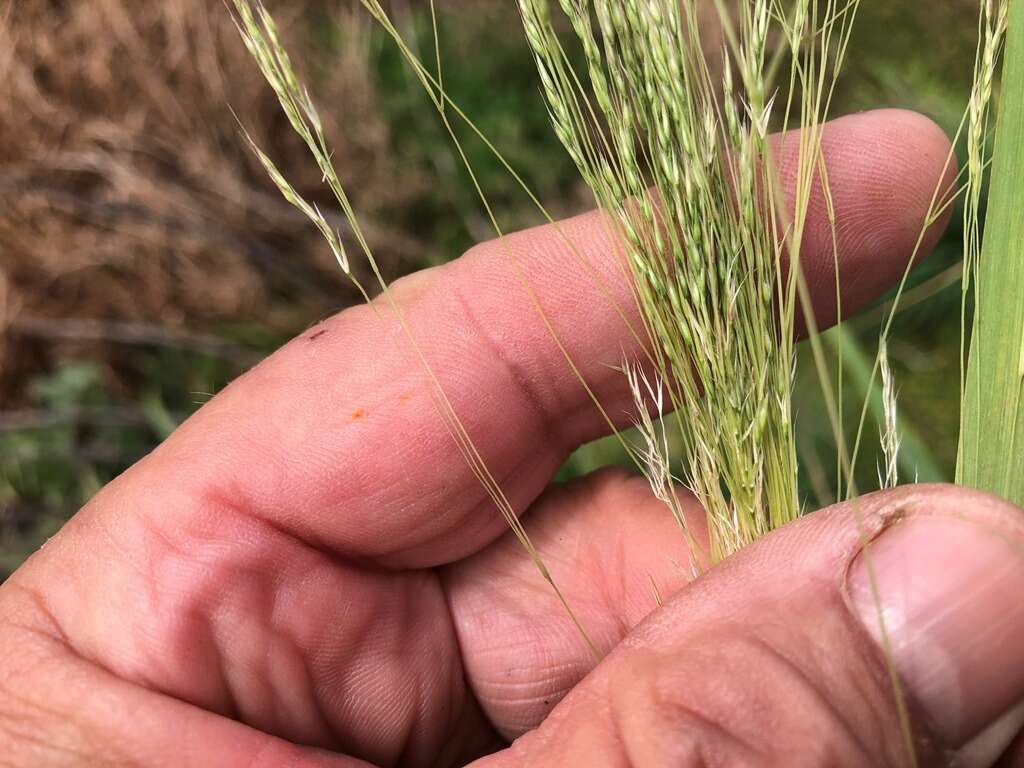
992, 443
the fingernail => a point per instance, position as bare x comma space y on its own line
950, 595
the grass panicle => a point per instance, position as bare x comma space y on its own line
681, 162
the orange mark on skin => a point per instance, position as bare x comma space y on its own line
405, 398
358, 415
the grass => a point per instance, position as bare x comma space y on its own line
693, 194
687, 176
992, 439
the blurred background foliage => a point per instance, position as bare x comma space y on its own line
145, 260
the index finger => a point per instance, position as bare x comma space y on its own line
336, 440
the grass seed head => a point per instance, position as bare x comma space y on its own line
677, 157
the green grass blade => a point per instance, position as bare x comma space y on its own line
992, 443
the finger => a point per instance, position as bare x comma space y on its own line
614, 551
336, 439
779, 651
57, 709
236, 618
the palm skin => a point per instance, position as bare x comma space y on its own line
307, 573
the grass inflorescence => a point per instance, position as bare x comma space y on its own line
682, 163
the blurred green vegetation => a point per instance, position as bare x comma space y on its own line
77, 425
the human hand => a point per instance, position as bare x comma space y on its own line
307, 569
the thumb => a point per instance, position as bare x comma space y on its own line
777, 657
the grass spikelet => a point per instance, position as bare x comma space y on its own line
290, 194
889, 476
654, 456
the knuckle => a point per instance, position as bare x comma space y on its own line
940, 497
736, 700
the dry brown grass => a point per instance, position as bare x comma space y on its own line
125, 191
